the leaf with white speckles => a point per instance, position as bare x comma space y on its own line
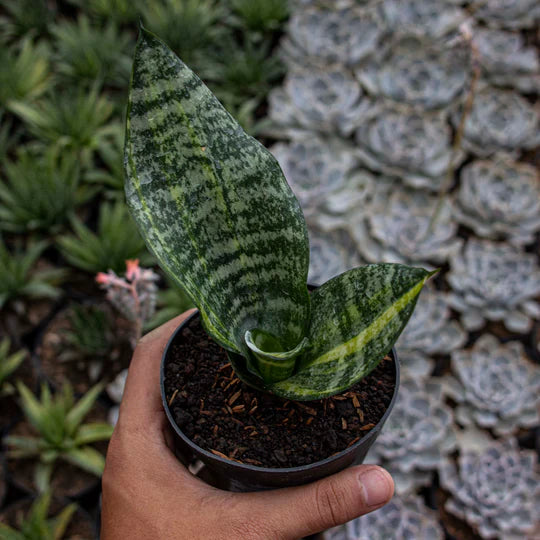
356, 319
213, 206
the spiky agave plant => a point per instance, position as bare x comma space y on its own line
215, 209
37, 524
8, 364
60, 432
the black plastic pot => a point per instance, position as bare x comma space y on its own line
236, 476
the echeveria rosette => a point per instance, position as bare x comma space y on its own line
410, 145
500, 198
417, 72
402, 518
512, 14
331, 35
495, 386
429, 331
215, 209
506, 60
495, 489
402, 230
424, 18
330, 254
499, 120
314, 167
325, 99
497, 282
417, 436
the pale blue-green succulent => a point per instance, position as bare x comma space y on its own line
215, 209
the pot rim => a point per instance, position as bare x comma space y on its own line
257, 468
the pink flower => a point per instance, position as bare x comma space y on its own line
133, 270
102, 278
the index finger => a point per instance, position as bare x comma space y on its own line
142, 394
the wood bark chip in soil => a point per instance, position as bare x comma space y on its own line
222, 415
81, 526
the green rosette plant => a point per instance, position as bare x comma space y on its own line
216, 211
60, 432
37, 525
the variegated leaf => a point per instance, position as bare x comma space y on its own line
213, 206
356, 318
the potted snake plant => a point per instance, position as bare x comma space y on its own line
268, 383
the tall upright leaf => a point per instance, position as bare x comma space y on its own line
213, 205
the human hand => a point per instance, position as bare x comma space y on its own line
149, 494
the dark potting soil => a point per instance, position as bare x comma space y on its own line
221, 414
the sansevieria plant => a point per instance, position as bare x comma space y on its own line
215, 209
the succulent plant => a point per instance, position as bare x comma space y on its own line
192, 27
74, 120
115, 241
499, 197
403, 518
349, 202
430, 18
119, 11
86, 53
37, 524
89, 335
25, 18
8, 364
496, 387
330, 253
416, 71
494, 281
417, 436
169, 303
506, 60
261, 15
403, 230
314, 167
331, 35
246, 72
496, 490
41, 192
499, 120
430, 331
243, 263
60, 434
134, 296
21, 278
25, 73
408, 144
513, 14
323, 99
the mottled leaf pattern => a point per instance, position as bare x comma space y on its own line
213, 205
356, 317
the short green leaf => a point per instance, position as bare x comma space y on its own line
356, 319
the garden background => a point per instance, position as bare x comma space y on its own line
409, 132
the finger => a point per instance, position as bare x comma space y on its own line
142, 394
301, 511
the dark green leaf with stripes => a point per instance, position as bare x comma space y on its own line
213, 206
355, 320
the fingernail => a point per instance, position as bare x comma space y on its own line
375, 486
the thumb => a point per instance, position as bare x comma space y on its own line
301, 511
